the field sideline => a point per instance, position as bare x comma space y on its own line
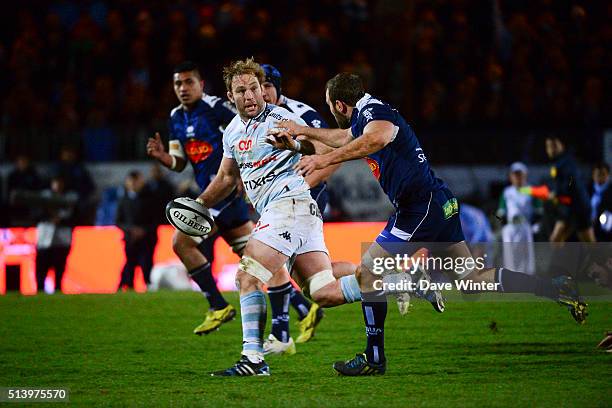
137, 349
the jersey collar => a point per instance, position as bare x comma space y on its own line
268, 107
363, 101
196, 107
354, 116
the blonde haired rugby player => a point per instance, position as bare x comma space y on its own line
290, 220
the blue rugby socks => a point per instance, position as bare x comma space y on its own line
279, 302
374, 307
517, 282
299, 303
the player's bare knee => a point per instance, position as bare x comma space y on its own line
326, 296
181, 245
367, 279
246, 282
176, 244
479, 275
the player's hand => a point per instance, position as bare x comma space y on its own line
281, 139
309, 164
155, 146
291, 127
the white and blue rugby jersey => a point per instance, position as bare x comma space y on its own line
267, 172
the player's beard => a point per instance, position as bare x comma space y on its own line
342, 121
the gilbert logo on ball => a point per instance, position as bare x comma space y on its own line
189, 217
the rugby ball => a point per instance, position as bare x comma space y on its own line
189, 216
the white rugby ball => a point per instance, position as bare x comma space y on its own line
189, 217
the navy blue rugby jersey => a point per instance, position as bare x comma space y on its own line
401, 167
197, 135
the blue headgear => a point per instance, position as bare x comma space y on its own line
273, 76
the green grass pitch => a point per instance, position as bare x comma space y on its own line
138, 350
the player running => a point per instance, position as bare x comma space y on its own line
290, 222
195, 134
426, 210
309, 315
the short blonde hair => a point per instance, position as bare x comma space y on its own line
242, 67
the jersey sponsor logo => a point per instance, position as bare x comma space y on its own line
245, 145
190, 131
367, 114
277, 116
374, 167
259, 181
450, 208
198, 150
256, 164
316, 123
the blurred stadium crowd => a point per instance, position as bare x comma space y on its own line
482, 82
96, 74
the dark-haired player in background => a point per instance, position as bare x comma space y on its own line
426, 210
195, 134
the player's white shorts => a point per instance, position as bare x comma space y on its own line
291, 226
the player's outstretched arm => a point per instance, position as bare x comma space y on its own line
222, 185
155, 149
281, 139
376, 135
321, 175
330, 137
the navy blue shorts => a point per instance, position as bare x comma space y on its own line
320, 195
432, 220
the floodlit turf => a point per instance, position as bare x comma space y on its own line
138, 349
